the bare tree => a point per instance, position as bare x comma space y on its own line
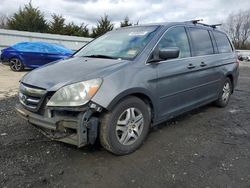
245, 31
238, 27
3, 21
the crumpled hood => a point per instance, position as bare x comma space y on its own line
57, 74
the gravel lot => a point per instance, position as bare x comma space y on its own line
9, 81
208, 147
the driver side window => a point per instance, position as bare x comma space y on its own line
176, 37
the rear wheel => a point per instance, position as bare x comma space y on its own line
225, 93
124, 128
16, 64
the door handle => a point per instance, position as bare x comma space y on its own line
190, 66
203, 64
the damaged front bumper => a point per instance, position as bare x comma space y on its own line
78, 129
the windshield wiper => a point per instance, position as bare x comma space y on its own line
100, 56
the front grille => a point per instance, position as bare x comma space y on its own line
31, 97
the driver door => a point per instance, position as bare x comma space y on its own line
177, 78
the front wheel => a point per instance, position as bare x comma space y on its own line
124, 128
225, 93
16, 64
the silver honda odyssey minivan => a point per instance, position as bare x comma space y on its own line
119, 85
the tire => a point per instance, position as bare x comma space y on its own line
225, 93
16, 65
121, 133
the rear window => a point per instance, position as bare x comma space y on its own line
202, 44
222, 42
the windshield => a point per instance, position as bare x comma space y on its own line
124, 43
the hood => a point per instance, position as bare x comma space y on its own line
60, 73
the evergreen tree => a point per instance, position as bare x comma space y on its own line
76, 30
28, 19
57, 25
103, 25
125, 22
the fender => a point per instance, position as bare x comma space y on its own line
15, 55
135, 91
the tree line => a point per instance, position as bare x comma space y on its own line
30, 18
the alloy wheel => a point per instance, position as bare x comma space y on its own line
15, 64
226, 92
129, 126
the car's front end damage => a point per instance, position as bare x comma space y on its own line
72, 125
58, 98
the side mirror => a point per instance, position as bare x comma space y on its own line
169, 53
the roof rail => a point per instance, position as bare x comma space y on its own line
200, 20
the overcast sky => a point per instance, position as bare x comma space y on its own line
146, 11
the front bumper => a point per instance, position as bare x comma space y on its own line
4, 61
79, 129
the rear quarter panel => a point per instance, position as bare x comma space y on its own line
228, 66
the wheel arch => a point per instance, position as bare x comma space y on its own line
230, 76
18, 57
140, 93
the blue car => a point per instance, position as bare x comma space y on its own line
33, 54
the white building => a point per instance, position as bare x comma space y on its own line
10, 37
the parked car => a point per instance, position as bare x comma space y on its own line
122, 83
240, 57
33, 54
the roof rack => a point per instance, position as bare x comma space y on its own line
215, 25
195, 21
200, 20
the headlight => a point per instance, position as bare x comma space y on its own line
75, 94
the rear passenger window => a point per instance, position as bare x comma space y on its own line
176, 37
222, 42
202, 44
